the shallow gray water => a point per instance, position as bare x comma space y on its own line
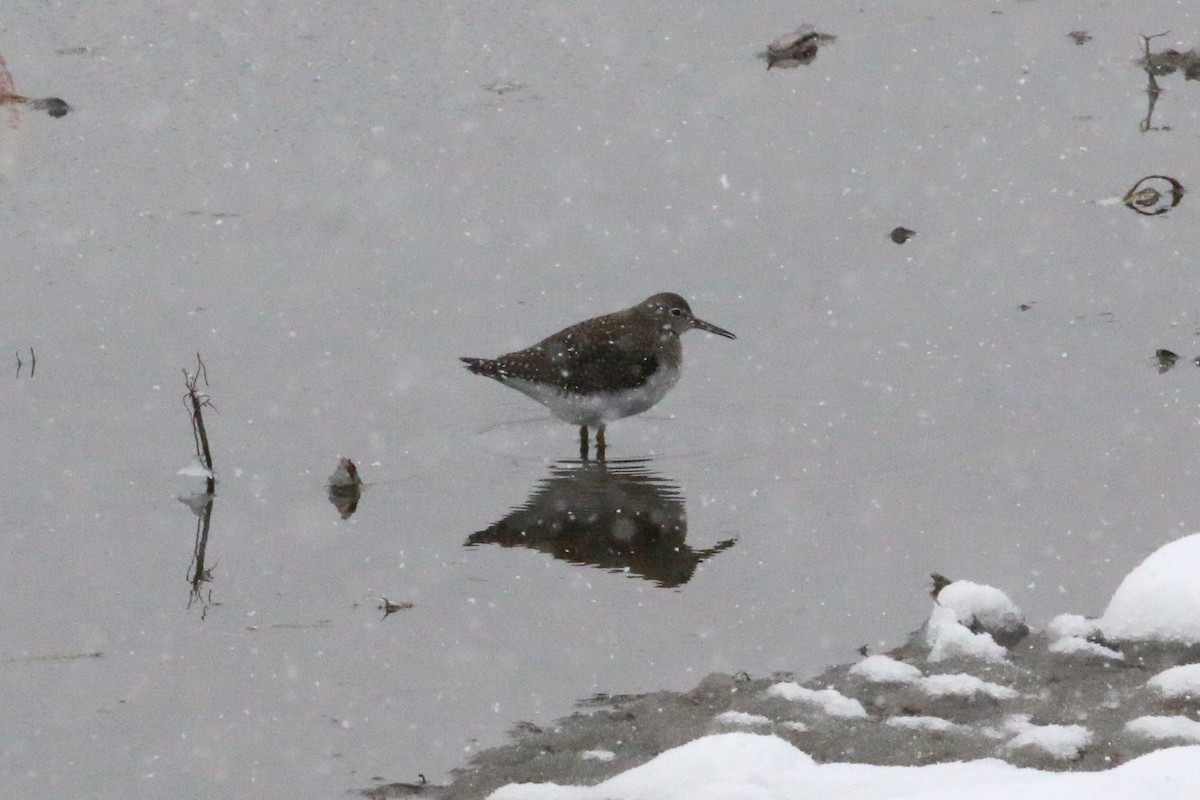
333, 205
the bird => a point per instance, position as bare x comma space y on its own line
604, 368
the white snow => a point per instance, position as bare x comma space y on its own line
1060, 741
1182, 729
1073, 645
1182, 681
750, 766
1065, 625
885, 669
1068, 636
949, 638
977, 602
1160, 598
741, 718
924, 723
831, 701
964, 685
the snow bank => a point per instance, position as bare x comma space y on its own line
964, 685
1160, 599
1069, 634
885, 669
948, 638
1180, 729
741, 718
752, 767
983, 608
831, 701
1182, 681
1058, 741
923, 723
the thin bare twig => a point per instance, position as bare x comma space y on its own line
1152, 87
198, 402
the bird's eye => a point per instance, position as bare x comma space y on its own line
676, 312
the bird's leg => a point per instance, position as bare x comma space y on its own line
583, 443
600, 443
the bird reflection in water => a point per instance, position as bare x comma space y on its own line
615, 515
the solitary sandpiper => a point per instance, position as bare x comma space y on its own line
603, 368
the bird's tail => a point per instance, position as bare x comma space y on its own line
483, 366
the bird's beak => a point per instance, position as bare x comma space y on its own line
708, 326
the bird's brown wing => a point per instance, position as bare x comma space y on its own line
580, 365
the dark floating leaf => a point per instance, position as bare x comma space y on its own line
1165, 360
388, 607
1153, 195
900, 234
54, 106
796, 48
1080, 37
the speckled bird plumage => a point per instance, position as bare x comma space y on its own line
604, 368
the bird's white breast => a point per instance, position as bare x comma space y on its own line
601, 407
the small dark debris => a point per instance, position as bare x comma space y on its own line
525, 728
54, 106
388, 607
863, 651
1167, 62
1027, 306
345, 489
796, 48
939, 582
1080, 37
1165, 360
900, 234
503, 87
390, 790
1164, 62
32, 363
1149, 196
346, 474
